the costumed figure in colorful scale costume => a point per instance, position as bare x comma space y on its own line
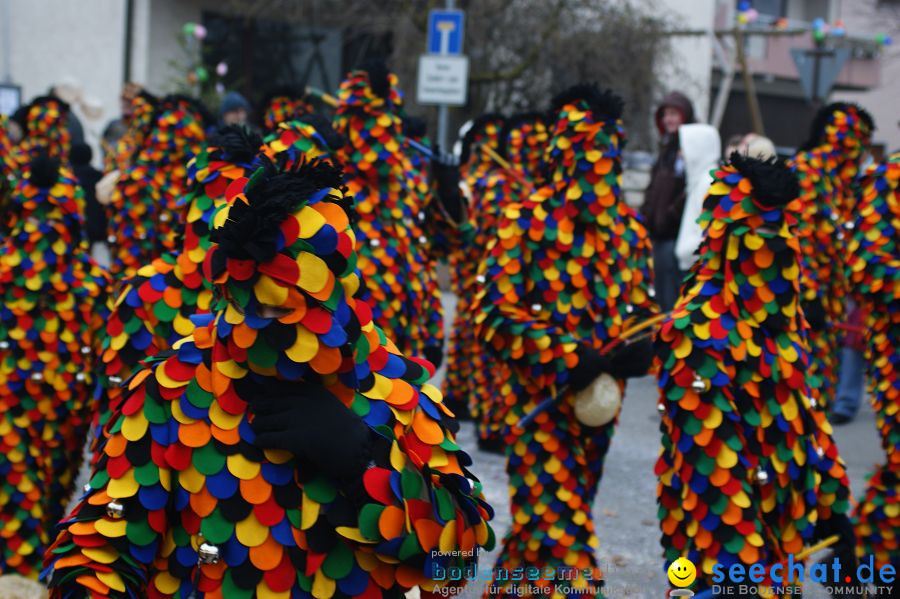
521, 141
826, 167
285, 448
144, 212
51, 316
748, 471
873, 269
395, 257
569, 271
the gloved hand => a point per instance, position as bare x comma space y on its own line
590, 365
445, 174
435, 355
311, 423
815, 315
844, 550
631, 359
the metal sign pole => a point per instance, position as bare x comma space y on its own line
443, 111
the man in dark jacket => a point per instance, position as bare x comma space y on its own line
87, 175
664, 197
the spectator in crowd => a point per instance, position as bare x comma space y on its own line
235, 109
664, 197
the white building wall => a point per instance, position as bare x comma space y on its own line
51, 40
689, 68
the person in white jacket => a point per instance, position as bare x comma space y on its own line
700, 148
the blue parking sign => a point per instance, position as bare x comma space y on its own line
445, 31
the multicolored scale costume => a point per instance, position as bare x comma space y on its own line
839, 136
52, 313
747, 464
138, 122
144, 212
46, 132
570, 266
873, 269
392, 201
183, 500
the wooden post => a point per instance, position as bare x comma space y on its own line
749, 87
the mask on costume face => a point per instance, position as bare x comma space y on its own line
284, 262
585, 146
46, 127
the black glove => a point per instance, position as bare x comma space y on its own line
815, 315
844, 550
445, 174
311, 423
590, 365
631, 359
435, 355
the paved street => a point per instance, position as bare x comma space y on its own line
625, 510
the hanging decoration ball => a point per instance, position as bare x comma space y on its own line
222, 69
188, 29
192, 77
781, 23
202, 74
199, 31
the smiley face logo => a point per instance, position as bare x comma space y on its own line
682, 572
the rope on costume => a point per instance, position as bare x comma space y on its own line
626, 334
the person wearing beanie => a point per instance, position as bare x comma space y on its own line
396, 259
748, 470
284, 447
665, 196
51, 318
826, 167
144, 209
873, 270
235, 109
569, 271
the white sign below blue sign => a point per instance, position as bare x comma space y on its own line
445, 31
